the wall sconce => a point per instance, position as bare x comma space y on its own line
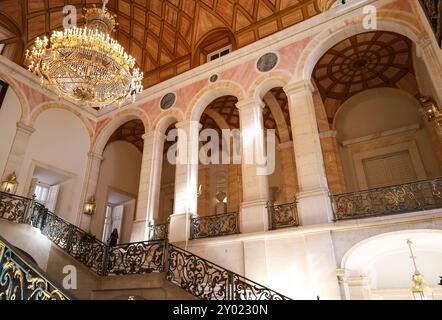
90, 206
432, 112
10, 184
420, 289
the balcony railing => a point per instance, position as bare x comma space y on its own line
282, 215
202, 278
214, 226
416, 196
208, 281
21, 280
158, 231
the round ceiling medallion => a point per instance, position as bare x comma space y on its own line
167, 101
267, 62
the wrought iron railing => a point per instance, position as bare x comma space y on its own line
20, 279
416, 196
136, 258
214, 226
282, 215
158, 231
208, 281
203, 279
15, 208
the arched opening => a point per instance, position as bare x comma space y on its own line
219, 171
49, 164
381, 267
372, 132
389, 145
283, 182
118, 182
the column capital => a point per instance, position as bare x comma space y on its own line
328, 134
285, 145
299, 87
94, 155
22, 127
187, 123
424, 42
250, 103
156, 134
342, 274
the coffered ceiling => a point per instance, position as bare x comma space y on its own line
364, 61
163, 35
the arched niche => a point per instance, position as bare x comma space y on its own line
380, 132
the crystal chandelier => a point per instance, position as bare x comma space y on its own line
86, 65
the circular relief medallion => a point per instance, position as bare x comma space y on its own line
167, 101
213, 78
267, 62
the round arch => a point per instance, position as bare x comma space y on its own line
372, 249
163, 121
24, 105
211, 93
102, 136
404, 24
57, 105
266, 82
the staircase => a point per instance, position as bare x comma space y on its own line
155, 262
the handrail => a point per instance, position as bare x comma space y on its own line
158, 231
21, 279
209, 281
282, 215
415, 196
143, 257
214, 226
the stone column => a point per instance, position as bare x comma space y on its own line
313, 199
255, 189
17, 153
90, 187
332, 162
186, 180
150, 186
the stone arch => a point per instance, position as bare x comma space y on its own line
211, 93
374, 259
103, 135
57, 105
24, 105
163, 121
266, 82
397, 22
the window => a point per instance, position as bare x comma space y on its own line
41, 193
2, 46
219, 53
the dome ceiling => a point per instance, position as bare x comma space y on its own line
161, 34
365, 61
